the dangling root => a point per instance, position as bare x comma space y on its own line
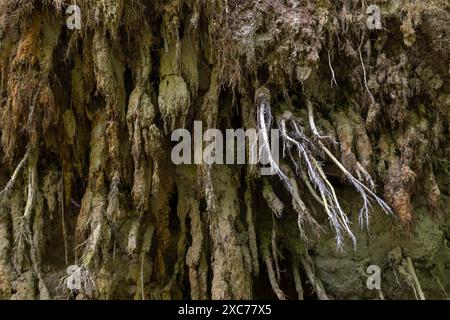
305, 149
405, 268
264, 123
77, 278
4, 193
365, 72
24, 232
297, 280
315, 282
333, 77
272, 277
272, 200
304, 216
251, 228
293, 137
366, 193
412, 272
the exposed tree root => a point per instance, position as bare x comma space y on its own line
272, 276
9, 186
297, 279
315, 282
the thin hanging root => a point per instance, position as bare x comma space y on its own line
272, 277
13, 179
77, 278
251, 228
304, 216
24, 232
333, 77
264, 123
315, 282
440, 285
412, 272
366, 193
310, 187
342, 217
297, 280
63, 221
305, 149
275, 248
365, 72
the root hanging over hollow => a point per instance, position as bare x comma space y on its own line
304, 147
302, 152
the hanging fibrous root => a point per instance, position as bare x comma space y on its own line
372, 98
333, 76
367, 193
301, 150
264, 123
